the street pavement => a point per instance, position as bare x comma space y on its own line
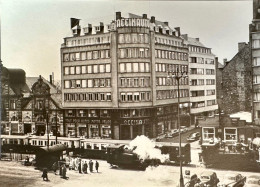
15, 174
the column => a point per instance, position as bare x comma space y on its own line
131, 131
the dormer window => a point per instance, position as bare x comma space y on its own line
74, 31
164, 31
86, 30
156, 29
108, 27
97, 28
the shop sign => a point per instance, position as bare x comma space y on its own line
88, 121
135, 122
132, 22
105, 126
93, 126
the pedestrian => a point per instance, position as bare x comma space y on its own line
97, 165
55, 167
85, 167
64, 171
79, 166
45, 174
90, 166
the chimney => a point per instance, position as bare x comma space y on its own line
144, 16
50, 79
185, 36
225, 62
241, 45
152, 19
118, 15
101, 27
198, 39
178, 31
166, 23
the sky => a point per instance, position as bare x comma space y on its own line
32, 31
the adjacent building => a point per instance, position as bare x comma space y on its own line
30, 105
115, 81
254, 29
235, 82
202, 79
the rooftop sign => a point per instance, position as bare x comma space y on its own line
132, 22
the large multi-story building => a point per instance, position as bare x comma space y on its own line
255, 58
202, 79
115, 81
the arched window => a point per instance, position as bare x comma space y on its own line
14, 118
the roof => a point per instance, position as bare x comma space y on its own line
57, 98
220, 65
247, 116
194, 41
55, 148
209, 122
157, 23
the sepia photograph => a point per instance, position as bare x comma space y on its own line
123, 93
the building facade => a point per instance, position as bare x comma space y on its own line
254, 29
235, 82
115, 80
202, 79
27, 103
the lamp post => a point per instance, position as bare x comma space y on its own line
178, 74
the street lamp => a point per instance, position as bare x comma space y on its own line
178, 74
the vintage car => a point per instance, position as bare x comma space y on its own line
193, 136
233, 180
191, 181
209, 179
253, 181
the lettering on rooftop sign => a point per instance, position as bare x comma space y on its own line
132, 22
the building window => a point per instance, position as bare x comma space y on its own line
208, 133
72, 70
257, 61
95, 69
12, 104
108, 68
210, 92
102, 97
78, 83
129, 97
109, 97
211, 102
102, 68
123, 97
67, 84
90, 83
230, 134
256, 44
66, 71
136, 96
89, 69
78, 69
84, 69
84, 83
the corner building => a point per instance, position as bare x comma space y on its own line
115, 80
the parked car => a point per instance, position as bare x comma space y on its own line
233, 180
168, 135
193, 136
183, 129
209, 179
253, 181
175, 132
192, 181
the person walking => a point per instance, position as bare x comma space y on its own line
64, 171
79, 166
97, 166
85, 167
55, 167
45, 174
90, 166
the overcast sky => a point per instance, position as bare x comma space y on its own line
32, 31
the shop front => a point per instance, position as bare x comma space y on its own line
40, 129
131, 128
106, 131
93, 131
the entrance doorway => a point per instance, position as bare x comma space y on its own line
137, 130
27, 128
125, 132
40, 130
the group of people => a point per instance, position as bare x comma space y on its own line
82, 166
75, 164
